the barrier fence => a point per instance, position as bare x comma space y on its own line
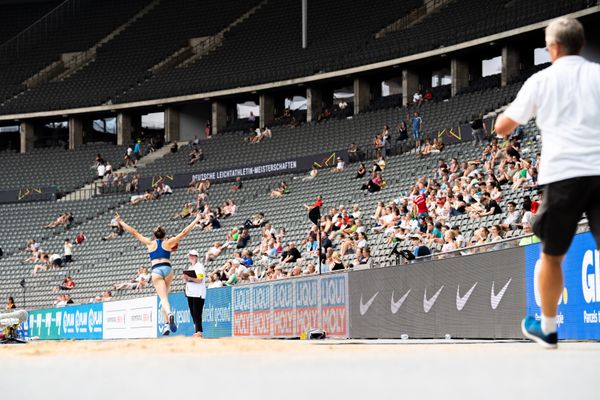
477, 296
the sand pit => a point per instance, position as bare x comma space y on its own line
264, 369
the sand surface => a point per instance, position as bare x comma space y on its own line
186, 368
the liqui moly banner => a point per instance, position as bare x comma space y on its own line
289, 307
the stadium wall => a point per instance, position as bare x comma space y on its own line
478, 296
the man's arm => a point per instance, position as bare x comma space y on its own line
505, 126
132, 231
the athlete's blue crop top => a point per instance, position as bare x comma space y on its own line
159, 252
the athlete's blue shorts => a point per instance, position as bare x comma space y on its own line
162, 269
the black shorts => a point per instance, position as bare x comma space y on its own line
563, 206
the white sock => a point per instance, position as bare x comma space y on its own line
548, 324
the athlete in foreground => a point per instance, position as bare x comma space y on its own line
565, 98
159, 250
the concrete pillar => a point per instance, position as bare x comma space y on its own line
410, 84
219, 117
27, 132
362, 95
124, 129
172, 124
314, 103
459, 73
266, 110
75, 132
510, 64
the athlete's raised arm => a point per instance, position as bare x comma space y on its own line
172, 242
143, 239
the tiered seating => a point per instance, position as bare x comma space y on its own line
331, 135
16, 17
120, 73
94, 21
336, 47
99, 264
124, 61
64, 169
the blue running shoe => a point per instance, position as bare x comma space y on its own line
172, 324
532, 329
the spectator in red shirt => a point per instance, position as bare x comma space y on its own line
80, 238
420, 202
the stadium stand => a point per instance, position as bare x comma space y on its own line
333, 134
120, 72
64, 169
16, 17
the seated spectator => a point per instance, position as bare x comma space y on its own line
529, 237
312, 174
185, 212
197, 154
291, 255
310, 269
257, 221
214, 281
68, 251
68, 284
374, 184
61, 301
229, 208
106, 296
44, 266
512, 218
213, 252
10, 304
419, 249
361, 170
80, 238
56, 261
137, 199
143, 278
237, 186
63, 219
427, 95
336, 263
490, 207
417, 98
174, 148
449, 242
364, 261
340, 165
243, 239
247, 258
355, 153
281, 189
427, 148
115, 230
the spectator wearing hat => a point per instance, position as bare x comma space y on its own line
195, 290
339, 166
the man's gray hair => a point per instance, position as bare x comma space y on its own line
568, 33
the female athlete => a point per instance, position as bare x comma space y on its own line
159, 250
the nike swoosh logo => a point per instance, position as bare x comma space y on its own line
395, 306
365, 307
497, 298
461, 301
427, 304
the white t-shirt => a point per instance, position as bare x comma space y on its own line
194, 289
101, 170
68, 247
565, 98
